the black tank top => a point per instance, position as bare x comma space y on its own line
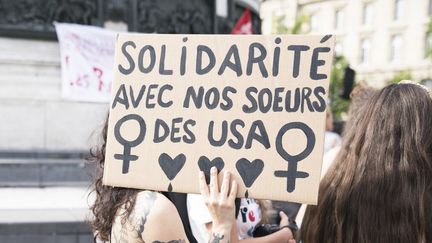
180, 202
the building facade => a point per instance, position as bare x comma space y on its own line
378, 38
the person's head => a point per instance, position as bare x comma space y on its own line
379, 188
359, 97
108, 199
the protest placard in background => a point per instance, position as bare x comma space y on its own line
87, 61
252, 104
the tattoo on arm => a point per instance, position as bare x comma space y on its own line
216, 238
123, 235
140, 229
143, 206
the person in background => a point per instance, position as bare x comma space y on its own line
379, 189
331, 139
251, 214
359, 97
123, 215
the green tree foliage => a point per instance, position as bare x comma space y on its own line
402, 75
429, 33
338, 105
298, 24
279, 26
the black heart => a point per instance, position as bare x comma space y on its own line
205, 165
249, 171
171, 167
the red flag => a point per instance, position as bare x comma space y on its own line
244, 25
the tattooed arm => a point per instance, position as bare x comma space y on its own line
163, 223
217, 238
220, 204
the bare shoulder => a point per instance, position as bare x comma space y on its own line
132, 229
164, 223
155, 206
153, 219
162, 206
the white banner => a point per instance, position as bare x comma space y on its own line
87, 59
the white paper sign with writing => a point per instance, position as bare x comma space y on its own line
87, 61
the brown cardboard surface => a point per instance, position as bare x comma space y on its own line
273, 159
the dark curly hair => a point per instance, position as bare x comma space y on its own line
108, 199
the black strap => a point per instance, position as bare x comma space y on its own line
237, 206
180, 202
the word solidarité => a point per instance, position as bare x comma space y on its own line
257, 55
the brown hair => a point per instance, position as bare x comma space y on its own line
108, 199
359, 96
379, 188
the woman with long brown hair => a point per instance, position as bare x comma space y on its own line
124, 215
379, 189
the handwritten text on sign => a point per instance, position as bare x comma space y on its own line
252, 104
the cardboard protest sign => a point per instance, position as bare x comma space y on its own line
253, 104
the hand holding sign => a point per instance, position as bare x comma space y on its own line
205, 164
